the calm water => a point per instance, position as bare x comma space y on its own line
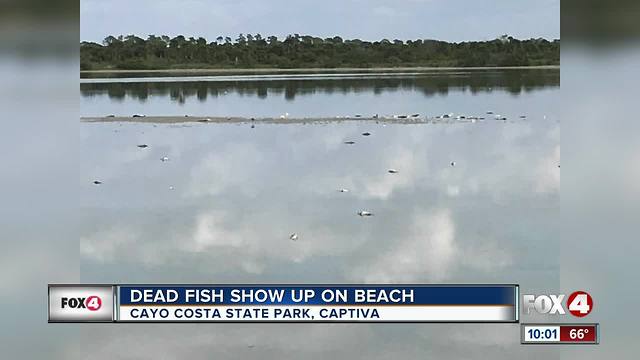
318, 95
221, 209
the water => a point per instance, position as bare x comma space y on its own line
221, 209
317, 95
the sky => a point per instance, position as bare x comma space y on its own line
449, 20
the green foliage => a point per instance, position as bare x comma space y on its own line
295, 51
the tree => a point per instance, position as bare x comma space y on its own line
158, 52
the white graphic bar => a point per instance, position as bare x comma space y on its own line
316, 313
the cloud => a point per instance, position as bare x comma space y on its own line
108, 245
383, 185
426, 253
265, 341
218, 172
548, 173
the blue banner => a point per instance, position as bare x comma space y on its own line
426, 295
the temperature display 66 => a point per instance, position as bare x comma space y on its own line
560, 333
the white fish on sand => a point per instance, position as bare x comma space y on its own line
365, 213
293, 236
343, 190
164, 158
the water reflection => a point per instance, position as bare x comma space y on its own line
429, 84
239, 193
222, 208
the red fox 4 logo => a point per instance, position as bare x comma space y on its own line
578, 303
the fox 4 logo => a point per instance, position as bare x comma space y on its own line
579, 304
92, 303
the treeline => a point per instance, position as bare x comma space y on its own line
254, 51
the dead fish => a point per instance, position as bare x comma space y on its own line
171, 188
453, 163
204, 120
110, 116
365, 213
343, 190
138, 115
164, 158
293, 237
143, 146
392, 171
366, 134
415, 115
97, 182
523, 116
349, 142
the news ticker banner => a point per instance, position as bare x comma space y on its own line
283, 303
560, 333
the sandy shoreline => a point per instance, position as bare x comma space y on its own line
314, 70
269, 120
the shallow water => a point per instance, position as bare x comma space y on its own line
221, 209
